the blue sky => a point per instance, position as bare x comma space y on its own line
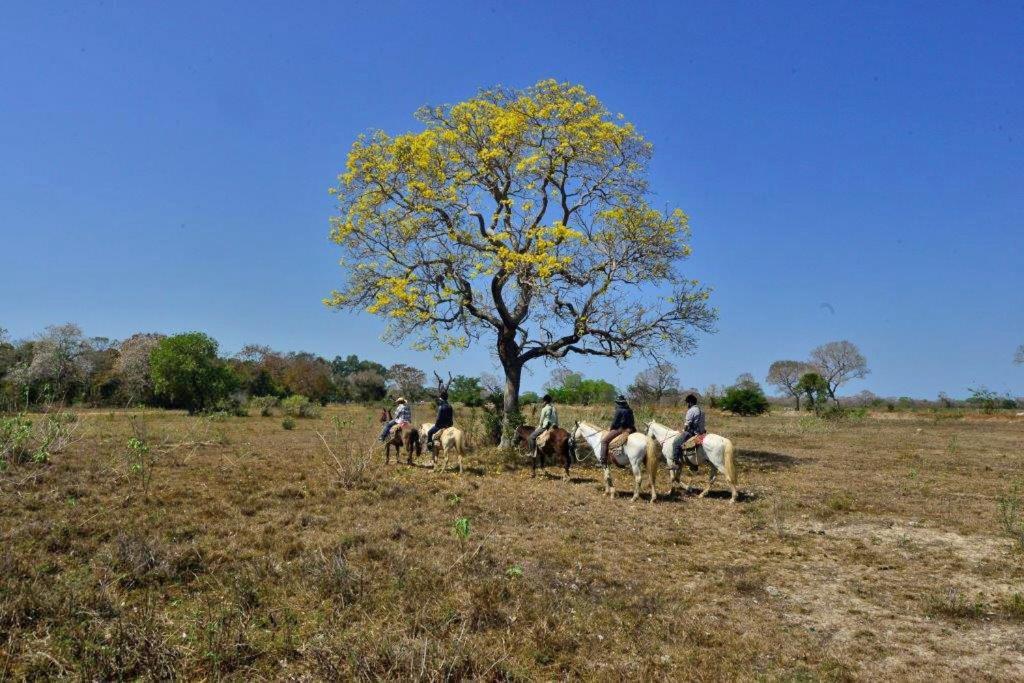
164, 166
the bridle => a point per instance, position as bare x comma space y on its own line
671, 435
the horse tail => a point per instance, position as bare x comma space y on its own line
652, 464
730, 462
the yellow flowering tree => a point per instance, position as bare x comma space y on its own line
520, 216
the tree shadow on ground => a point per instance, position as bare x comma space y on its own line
768, 461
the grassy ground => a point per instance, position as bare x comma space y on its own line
237, 549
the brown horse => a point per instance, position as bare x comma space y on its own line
556, 443
407, 437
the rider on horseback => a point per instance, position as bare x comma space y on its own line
403, 413
548, 419
622, 423
445, 418
693, 425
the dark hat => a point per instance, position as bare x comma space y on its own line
620, 399
546, 398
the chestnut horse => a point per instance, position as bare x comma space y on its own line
556, 442
407, 437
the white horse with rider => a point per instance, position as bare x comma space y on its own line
712, 449
637, 451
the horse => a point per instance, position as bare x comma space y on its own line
555, 442
716, 450
451, 439
637, 451
405, 437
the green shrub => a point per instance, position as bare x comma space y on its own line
188, 374
264, 404
15, 437
745, 400
288, 423
300, 406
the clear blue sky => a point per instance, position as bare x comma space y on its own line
164, 166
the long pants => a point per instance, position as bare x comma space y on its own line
677, 445
608, 438
534, 436
387, 428
434, 430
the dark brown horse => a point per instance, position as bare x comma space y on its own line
558, 444
407, 437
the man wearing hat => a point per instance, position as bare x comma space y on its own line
693, 424
622, 423
403, 413
548, 419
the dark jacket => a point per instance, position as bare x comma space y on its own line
445, 415
623, 418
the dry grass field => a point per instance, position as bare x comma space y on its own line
236, 549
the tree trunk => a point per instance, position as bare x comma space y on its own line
513, 375
797, 397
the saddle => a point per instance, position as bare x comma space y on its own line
616, 444
693, 442
396, 429
545, 436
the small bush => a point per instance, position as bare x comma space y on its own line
300, 406
288, 423
264, 404
1011, 516
953, 605
745, 400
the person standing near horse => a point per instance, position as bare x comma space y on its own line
623, 422
548, 419
445, 418
403, 413
693, 425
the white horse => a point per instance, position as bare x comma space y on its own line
716, 450
637, 451
450, 438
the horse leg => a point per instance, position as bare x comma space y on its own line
712, 473
458, 449
444, 466
608, 488
638, 476
567, 457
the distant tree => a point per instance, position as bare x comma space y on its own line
406, 381
745, 397
529, 398
187, 373
1018, 357
560, 376
132, 366
712, 395
746, 381
367, 385
839, 362
654, 383
466, 390
815, 388
351, 364
784, 375
306, 374
576, 390
60, 362
945, 401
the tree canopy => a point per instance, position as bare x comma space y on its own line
521, 215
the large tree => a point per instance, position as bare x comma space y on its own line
520, 216
784, 375
839, 362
